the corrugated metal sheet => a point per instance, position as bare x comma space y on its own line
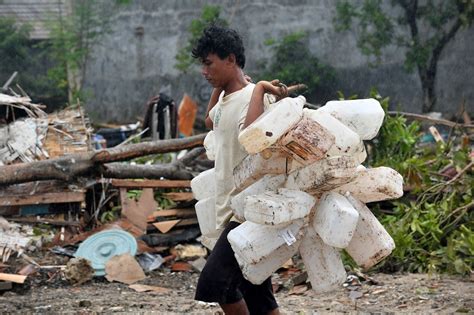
34, 13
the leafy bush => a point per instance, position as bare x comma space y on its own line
433, 224
292, 62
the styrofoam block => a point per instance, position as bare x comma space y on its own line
347, 142
258, 272
323, 175
371, 242
274, 208
266, 183
335, 220
272, 124
364, 116
322, 262
255, 166
209, 240
253, 242
307, 141
204, 185
206, 215
374, 184
210, 146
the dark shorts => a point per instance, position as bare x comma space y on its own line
222, 281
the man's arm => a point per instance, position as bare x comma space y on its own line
256, 106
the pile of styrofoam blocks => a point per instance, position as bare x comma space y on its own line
302, 188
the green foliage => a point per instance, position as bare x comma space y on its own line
154, 159
376, 26
395, 143
424, 29
292, 62
111, 215
13, 43
72, 40
19, 53
433, 224
210, 15
163, 202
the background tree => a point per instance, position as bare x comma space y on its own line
210, 15
431, 25
73, 34
19, 53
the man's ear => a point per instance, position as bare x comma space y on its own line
231, 59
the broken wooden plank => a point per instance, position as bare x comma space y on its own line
165, 226
168, 225
45, 221
12, 277
151, 183
60, 197
137, 212
179, 196
181, 213
39, 187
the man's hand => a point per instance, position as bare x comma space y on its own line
275, 87
256, 101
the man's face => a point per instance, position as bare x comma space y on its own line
216, 70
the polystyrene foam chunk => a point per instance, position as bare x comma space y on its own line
209, 240
370, 243
323, 175
253, 242
364, 116
206, 215
258, 272
374, 184
204, 185
322, 262
307, 141
266, 183
335, 220
209, 145
347, 142
283, 206
272, 124
255, 166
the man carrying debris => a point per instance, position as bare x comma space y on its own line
235, 103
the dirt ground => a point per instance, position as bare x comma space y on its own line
48, 292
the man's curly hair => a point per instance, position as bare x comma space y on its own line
221, 41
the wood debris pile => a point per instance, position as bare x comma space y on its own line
36, 135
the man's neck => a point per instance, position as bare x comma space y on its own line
238, 82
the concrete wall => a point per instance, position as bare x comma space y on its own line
136, 59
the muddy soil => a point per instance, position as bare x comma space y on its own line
47, 292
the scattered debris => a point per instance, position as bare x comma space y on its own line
150, 262
123, 268
103, 246
12, 277
148, 288
79, 270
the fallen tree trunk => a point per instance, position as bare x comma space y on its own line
174, 170
168, 171
67, 168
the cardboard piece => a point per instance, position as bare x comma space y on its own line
124, 268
